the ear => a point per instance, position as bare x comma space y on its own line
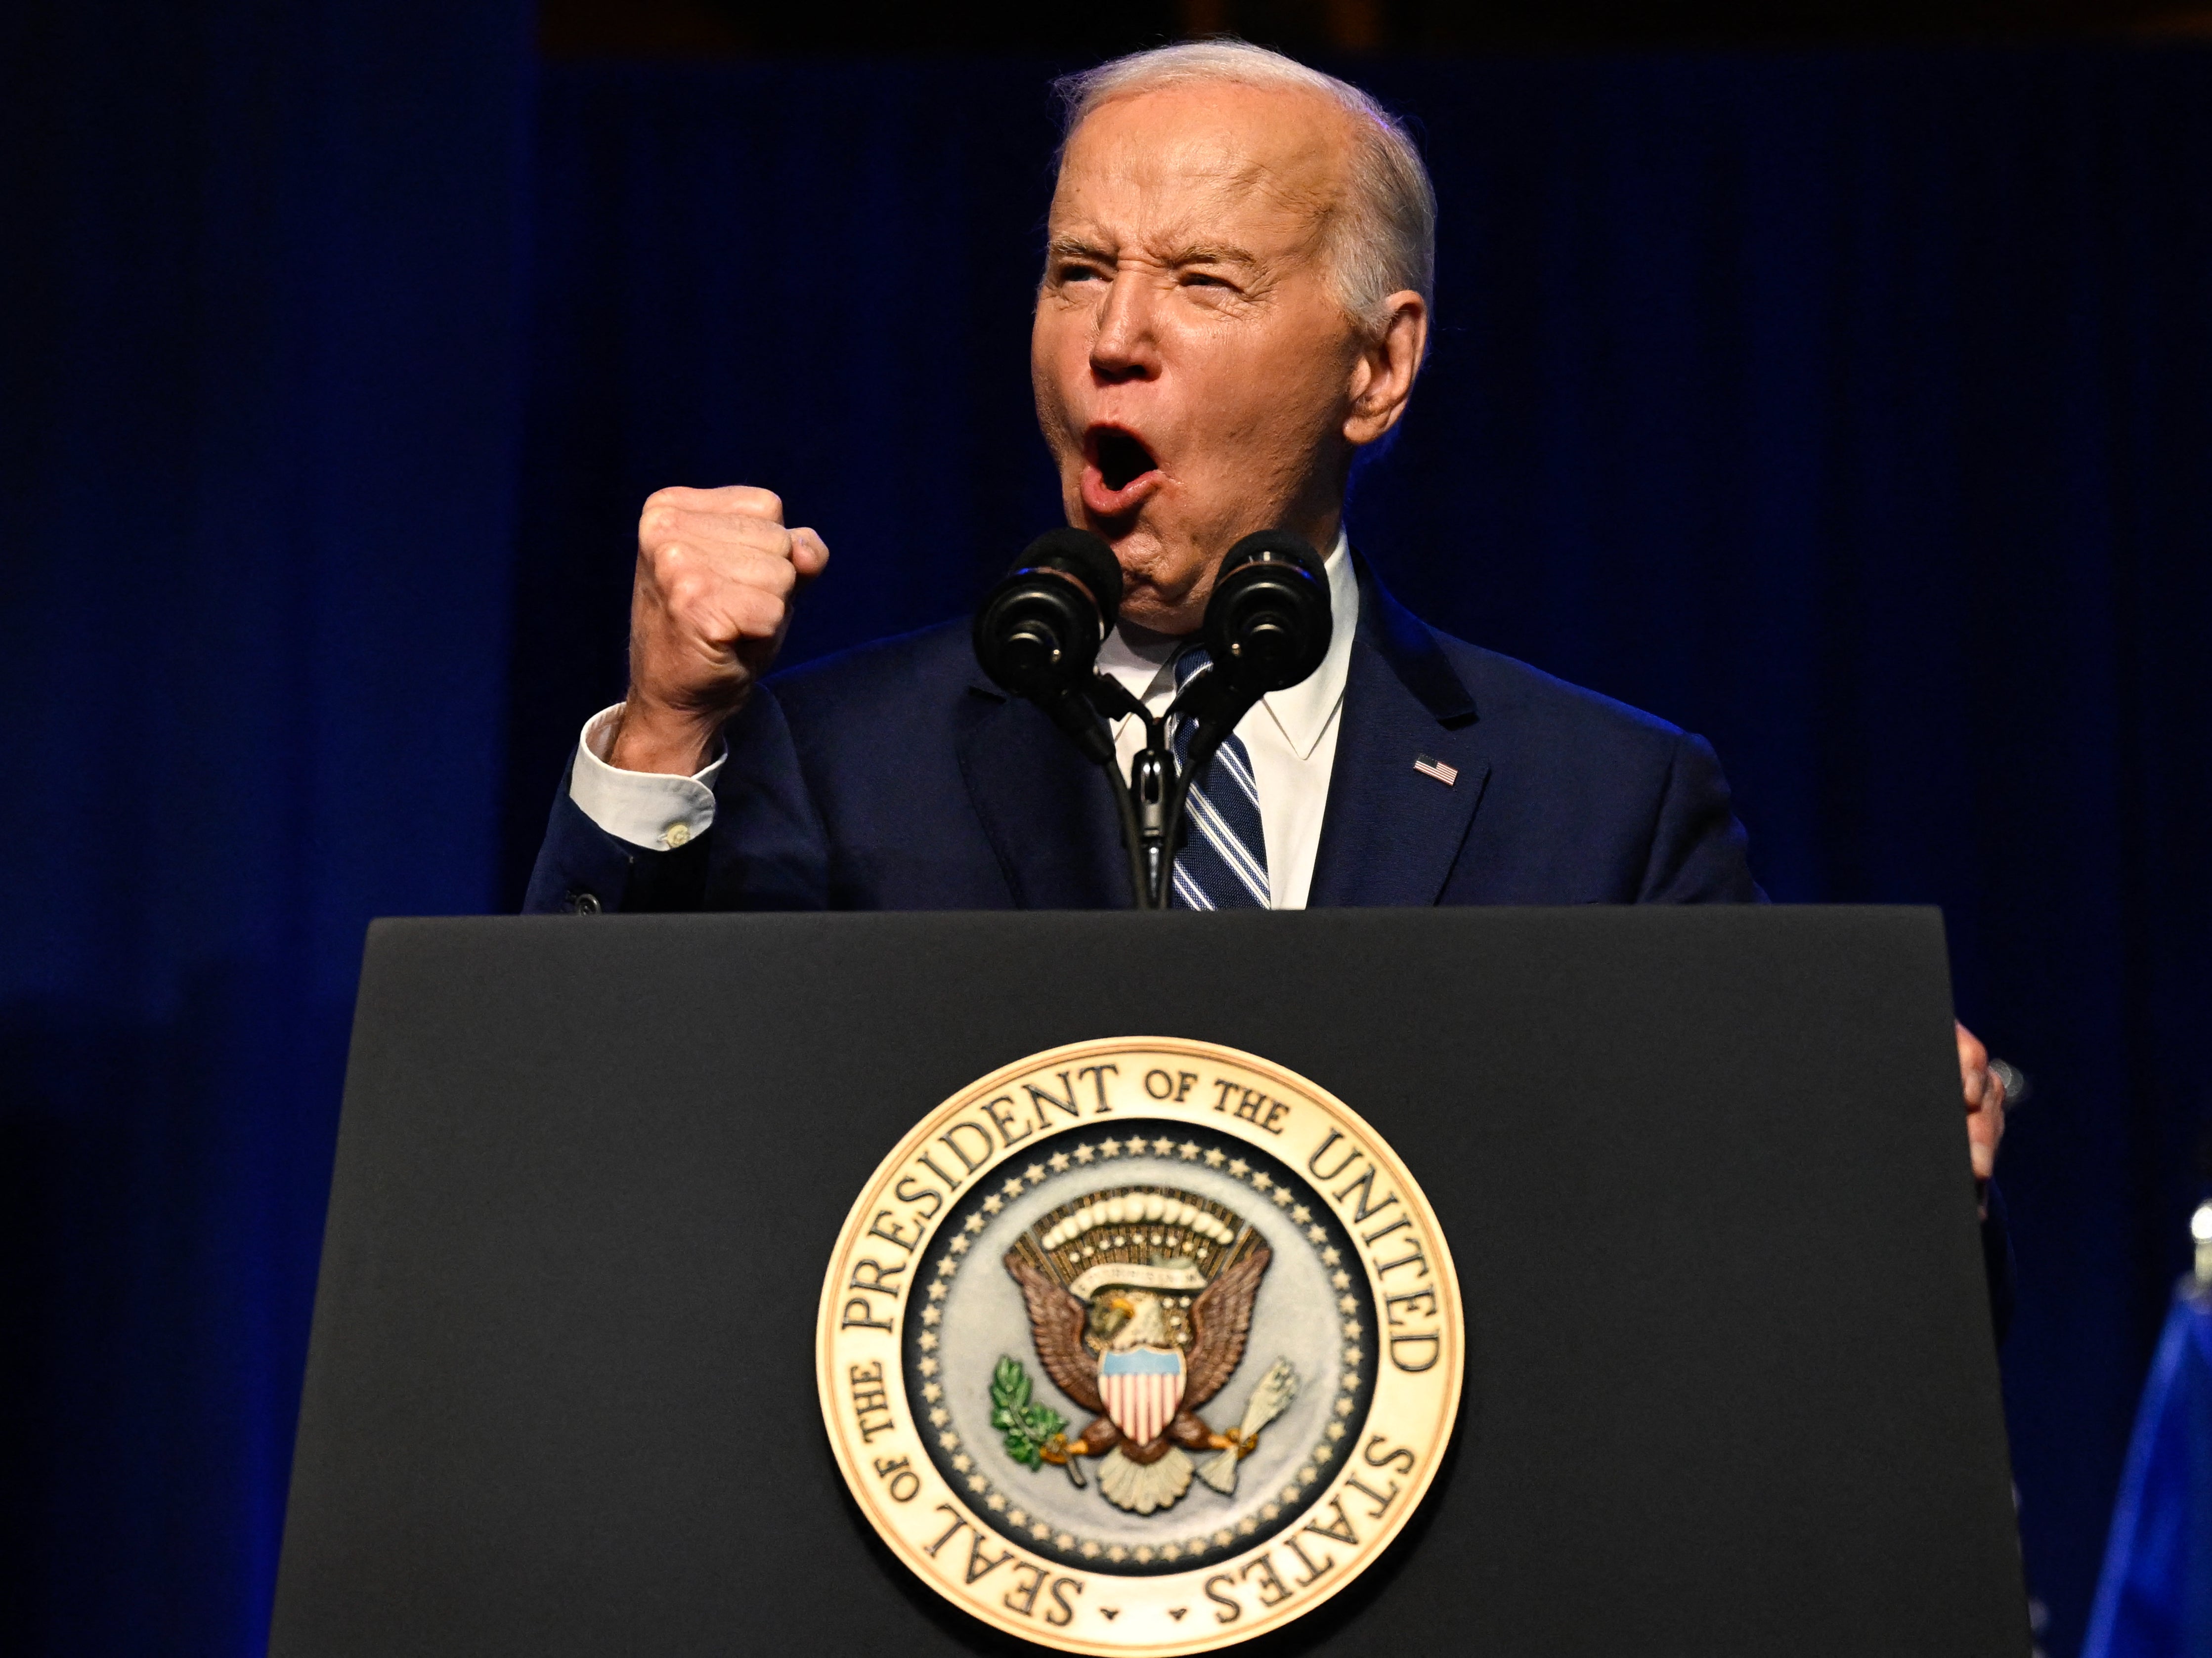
1382, 375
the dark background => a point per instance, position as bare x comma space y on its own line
1838, 387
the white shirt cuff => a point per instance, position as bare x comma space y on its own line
645, 808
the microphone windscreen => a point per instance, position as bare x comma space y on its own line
1087, 558
1037, 633
1268, 623
1278, 545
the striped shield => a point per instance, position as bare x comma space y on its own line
1141, 1387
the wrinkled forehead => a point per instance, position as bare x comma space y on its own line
1196, 156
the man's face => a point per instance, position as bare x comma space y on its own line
1194, 366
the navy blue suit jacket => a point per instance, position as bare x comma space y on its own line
896, 777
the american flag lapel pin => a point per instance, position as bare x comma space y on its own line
1445, 774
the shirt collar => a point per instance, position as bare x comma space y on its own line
1301, 713
1142, 669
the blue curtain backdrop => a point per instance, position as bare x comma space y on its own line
260, 362
1854, 410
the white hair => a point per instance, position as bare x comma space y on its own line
1384, 240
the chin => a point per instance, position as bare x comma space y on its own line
1152, 616
1175, 607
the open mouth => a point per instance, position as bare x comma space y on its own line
1120, 474
1121, 460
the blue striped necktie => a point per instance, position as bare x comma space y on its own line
1224, 867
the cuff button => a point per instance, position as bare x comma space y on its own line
583, 903
677, 834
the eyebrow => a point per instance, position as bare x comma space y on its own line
1212, 254
1070, 247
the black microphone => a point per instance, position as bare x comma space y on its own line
1267, 626
1268, 621
1037, 633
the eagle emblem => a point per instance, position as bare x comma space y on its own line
1139, 1302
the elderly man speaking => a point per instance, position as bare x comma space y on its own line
1235, 303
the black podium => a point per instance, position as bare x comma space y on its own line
1731, 1385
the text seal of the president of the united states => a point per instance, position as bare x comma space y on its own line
1141, 1345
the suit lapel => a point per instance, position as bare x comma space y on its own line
1047, 812
1392, 833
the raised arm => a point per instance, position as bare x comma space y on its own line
717, 573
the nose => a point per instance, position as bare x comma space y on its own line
1123, 343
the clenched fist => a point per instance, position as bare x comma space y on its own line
716, 575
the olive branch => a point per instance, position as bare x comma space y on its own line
1029, 1427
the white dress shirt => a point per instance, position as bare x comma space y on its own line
1290, 736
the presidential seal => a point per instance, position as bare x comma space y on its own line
1141, 1345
